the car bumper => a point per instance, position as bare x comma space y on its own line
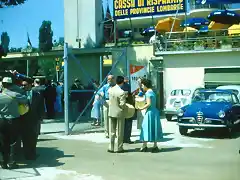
203, 126
171, 111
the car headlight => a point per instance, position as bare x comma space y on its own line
180, 112
221, 114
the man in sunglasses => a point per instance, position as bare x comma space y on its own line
31, 121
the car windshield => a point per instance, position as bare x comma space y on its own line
212, 97
181, 92
234, 91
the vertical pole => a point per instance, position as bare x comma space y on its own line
101, 70
115, 32
186, 5
100, 82
57, 75
27, 68
66, 89
132, 29
127, 65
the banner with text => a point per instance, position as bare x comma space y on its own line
135, 73
135, 8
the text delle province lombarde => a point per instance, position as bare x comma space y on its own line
138, 7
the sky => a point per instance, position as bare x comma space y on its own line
19, 20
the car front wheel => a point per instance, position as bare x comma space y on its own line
183, 131
169, 117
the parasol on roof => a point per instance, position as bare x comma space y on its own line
166, 24
216, 26
193, 22
216, 1
224, 17
189, 29
148, 32
234, 29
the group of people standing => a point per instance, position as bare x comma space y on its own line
23, 103
21, 113
114, 97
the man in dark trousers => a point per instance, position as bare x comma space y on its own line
31, 121
40, 89
76, 99
128, 122
50, 98
9, 120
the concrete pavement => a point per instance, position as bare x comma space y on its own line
84, 157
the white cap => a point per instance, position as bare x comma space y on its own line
7, 80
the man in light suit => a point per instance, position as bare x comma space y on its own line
117, 105
104, 90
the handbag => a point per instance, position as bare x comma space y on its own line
22, 108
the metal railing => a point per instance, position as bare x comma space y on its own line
194, 6
195, 41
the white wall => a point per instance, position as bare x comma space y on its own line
70, 22
82, 19
187, 70
136, 55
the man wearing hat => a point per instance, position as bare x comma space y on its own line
104, 91
117, 106
9, 119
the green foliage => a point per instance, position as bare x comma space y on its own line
46, 67
45, 37
5, 3
199, 43
2, 53
12, 49
58, 43
5, 40
226, 41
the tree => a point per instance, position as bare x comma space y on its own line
46, 67
58, 43
45, 36
5, 3
4, 47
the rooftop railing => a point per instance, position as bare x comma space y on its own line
194, 6
195, 41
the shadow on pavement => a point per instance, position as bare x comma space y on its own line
162, 140
214, 134
161, 150
43, 140
170, 149
48, 157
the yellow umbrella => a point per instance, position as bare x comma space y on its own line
234, 29
165, 25
189, 29
215, 26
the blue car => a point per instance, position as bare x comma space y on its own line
210, 109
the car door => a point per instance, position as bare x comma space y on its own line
236, 108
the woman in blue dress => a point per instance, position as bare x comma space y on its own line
96, 109
58, 102
151, 130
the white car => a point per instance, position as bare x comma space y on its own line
177, 99
234, 88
